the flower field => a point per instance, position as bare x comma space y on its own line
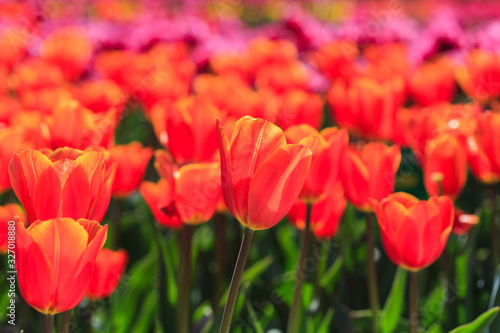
242, 166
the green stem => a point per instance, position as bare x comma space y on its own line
494, 229
88, 317
300, 275
115, 238
185, 278
372, 274
413, 306
236, 280
64, 321
48, 323
220, 258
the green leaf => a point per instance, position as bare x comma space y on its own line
147, 313
324, 327
253, 317
328, 280
479, 325
494, 299
395, 301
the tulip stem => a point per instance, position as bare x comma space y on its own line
220, 258
115, 240
236, 280
64, 321
494, 228
372, 274
413, 313
300, 275
48, 323
185, 278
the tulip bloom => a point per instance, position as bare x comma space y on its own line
324, 171
483, 156
7, 214
74, 126
369, 173
433, 82
132, 160
69, 49
54, 261
100, 96
445, 166
337, 59
63, 183
326, 214
182, 128
463, 222
157, 196
194, 189
108, 270
300, 107
414, 233
262, 175
367, 106
479, 77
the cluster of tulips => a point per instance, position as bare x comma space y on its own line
271, 131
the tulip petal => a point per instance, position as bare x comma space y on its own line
276, 185
354, 175
76, 186
75, 288
34, 271
226, 179
47, 195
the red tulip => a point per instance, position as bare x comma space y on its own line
108, 270
74, 126
414, 233
69, 49
7, 214
34, 74
337, 59
132, 160
463, 222
54, 261
367, 106
479, 77
369, 173
100, 96
300, 107
157, 196
195, 188
445, 166
182, 128
63, 183
262, 175
433, 82
482, 148
326, 214
324, 171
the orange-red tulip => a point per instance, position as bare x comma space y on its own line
262, 175
195, 188
336, 59
108, 270
34, 74
479, 77
433, 82
324, 172
54, 261
326, 214
414, 233
7, 214
64, 183
74, 126
366, 105
300, 107
369, 173
183, 129
463, 222
445, 166
70, 49
132, 160
157, 196
482, 148
100, 96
